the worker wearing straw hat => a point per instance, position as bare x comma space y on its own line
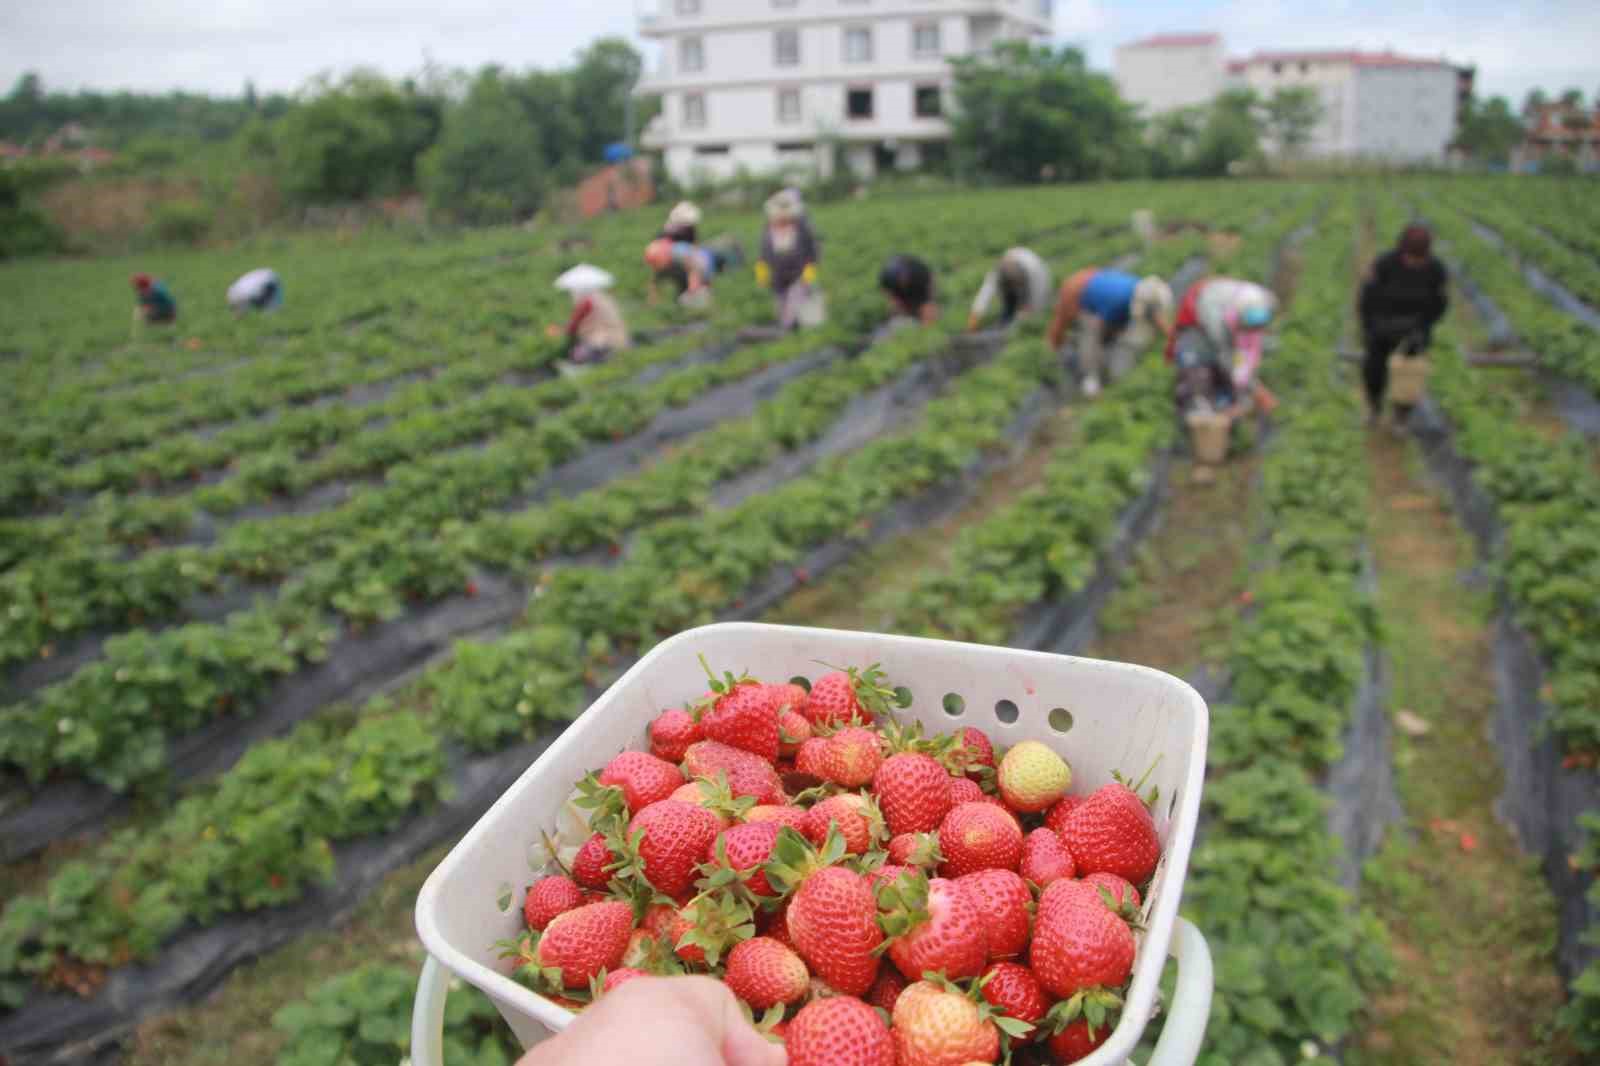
596, 328
788, 262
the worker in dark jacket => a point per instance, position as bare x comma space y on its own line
789, 256
1402, 297
908, 283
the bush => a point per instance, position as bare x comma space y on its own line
180, 222
24, 230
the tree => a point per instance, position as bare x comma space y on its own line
29, 89
1231, 137
601, 82
1535, 100
355, 139
1174, 140
1291, 115
487, 165
1489, 130
1572, 98
1029, 111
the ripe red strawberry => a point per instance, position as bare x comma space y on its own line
1124, 894
833, 701
1015, 991
1077, 1040
620, 977
832, 916
915, 849
850, 757
783, 814
853, 814
1079, 944
979, 836
793, 730
979, 752
838, 1031
548, 897
671, 734
808, 756
886, 989
748, 774
1002, 897
932, 925
965, 790
764, 972
677, 837
582, 942
589, 865
692, 792
747, 848
1112, 831
934, 1026
913, 792
744, 718
776, 926
790, 697
643, 778
1044, 858
1060, 809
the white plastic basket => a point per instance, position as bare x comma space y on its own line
1118, 717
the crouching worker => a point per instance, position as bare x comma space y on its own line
1022, 281
259, 290
687, 268
1216, 345
1108, 307
1403, 296
788, 263
596, 328
908, 283
153, 304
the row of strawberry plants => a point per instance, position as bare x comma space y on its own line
1563, 208
263, 831
1294, 963
1578, 272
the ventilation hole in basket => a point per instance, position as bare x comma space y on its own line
902, 697
1172, 805
1060, 719
803, 682
1006, 711
504, 896
954, 705
538, 856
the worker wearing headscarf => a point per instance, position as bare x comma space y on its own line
1217, 342
1022, 281
683, 223
1402, 297
790, 253
260, 290
152, 302
1104, 304
596, 328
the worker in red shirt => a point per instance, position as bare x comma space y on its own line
596, 328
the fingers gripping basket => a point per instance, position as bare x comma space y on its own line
1408, 379
1102, 716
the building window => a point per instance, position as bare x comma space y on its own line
783, 3
694, 109
858, 104
858, 44
788, 106
1305, 68
795, 147
786, 48
928, 102
1277, 68
687, 7
925, 40
691, 55
712, 149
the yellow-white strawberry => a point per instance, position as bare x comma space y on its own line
1032, 777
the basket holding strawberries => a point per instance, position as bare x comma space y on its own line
922, 899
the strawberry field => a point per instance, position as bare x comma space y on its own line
289, 600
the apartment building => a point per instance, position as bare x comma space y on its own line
1170, 71
764, 85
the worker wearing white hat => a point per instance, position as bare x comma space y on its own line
789, 256
596, 328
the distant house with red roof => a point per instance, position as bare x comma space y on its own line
1559, 131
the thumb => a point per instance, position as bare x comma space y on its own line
740, 1043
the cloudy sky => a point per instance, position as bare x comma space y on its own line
216, 45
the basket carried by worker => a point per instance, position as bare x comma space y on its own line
1102, 716
1408, 378
1209, 432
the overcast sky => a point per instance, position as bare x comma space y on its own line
215, 45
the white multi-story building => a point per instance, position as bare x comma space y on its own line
1170, 71
765, 85
1375, 105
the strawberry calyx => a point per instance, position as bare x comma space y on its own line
902, 907
794, 859
1135, 786
767, 1024
524, 952
875, 697
947, 750
717, 921
716, 795
607, 804
1098, 1007
720, 686
925, 852
721, 875
1123, 908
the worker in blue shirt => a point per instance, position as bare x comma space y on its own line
1103, 304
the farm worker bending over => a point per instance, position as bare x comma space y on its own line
1104, 303
152, 302
1217, 343
596, 328
683, 223
1402, 297
789, 256
1023, 282
908, 283
687, 266
261, 290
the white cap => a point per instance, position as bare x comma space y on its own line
585, 278
1152, 298
685, 214
784, 206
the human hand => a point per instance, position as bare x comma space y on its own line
552, 331
809, 274
972, 323
763, 274
661, 1021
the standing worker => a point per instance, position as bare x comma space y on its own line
1402, 297
1021, 279
1217, 342
908, 283
261, 290
596, 328
152, 302
1104, 303
789, 257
